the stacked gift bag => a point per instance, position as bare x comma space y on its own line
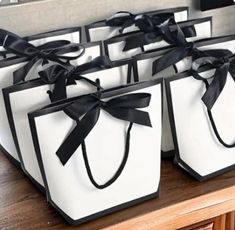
88, 121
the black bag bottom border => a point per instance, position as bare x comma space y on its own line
88, 218
104, 212
9, 157
34, 182
189, 171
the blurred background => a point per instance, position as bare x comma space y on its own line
34, 16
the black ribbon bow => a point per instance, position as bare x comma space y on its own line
223, 66
159, 30
62, 76
144, 22
51, 51
182, 49
86, 110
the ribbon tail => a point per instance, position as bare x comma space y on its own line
59, 91
169, 59
77, 136
215, 88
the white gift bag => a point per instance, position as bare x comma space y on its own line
73, 34
130, 157
34, 95
7, 68
203, 132
102, 30
145, 72
116, 48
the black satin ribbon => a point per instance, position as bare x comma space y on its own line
182, 49
62, 76
86, 110
51, 51
144, 22
223, 66
167, 30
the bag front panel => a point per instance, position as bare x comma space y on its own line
73, 193
197, 144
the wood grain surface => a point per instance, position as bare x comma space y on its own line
182, 201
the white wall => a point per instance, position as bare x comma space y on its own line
44, 15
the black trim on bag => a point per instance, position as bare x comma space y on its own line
10, 157
178, 160
103, 24
58, 106
55, 33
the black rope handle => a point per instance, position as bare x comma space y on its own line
120, 168
214, 127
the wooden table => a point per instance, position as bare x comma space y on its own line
183, 201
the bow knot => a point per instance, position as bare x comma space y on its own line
63, 76
50, 51
225, 60
86, 111
102, 104
223, 65
190, 45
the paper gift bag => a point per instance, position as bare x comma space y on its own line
118, 164
128, 46
125, 22
7, 70
146, 70
201, 107
34, 94
70, 34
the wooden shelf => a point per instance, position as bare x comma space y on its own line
182, 202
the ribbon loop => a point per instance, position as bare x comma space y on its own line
86, 110
63, 76
223, 66
51, 51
